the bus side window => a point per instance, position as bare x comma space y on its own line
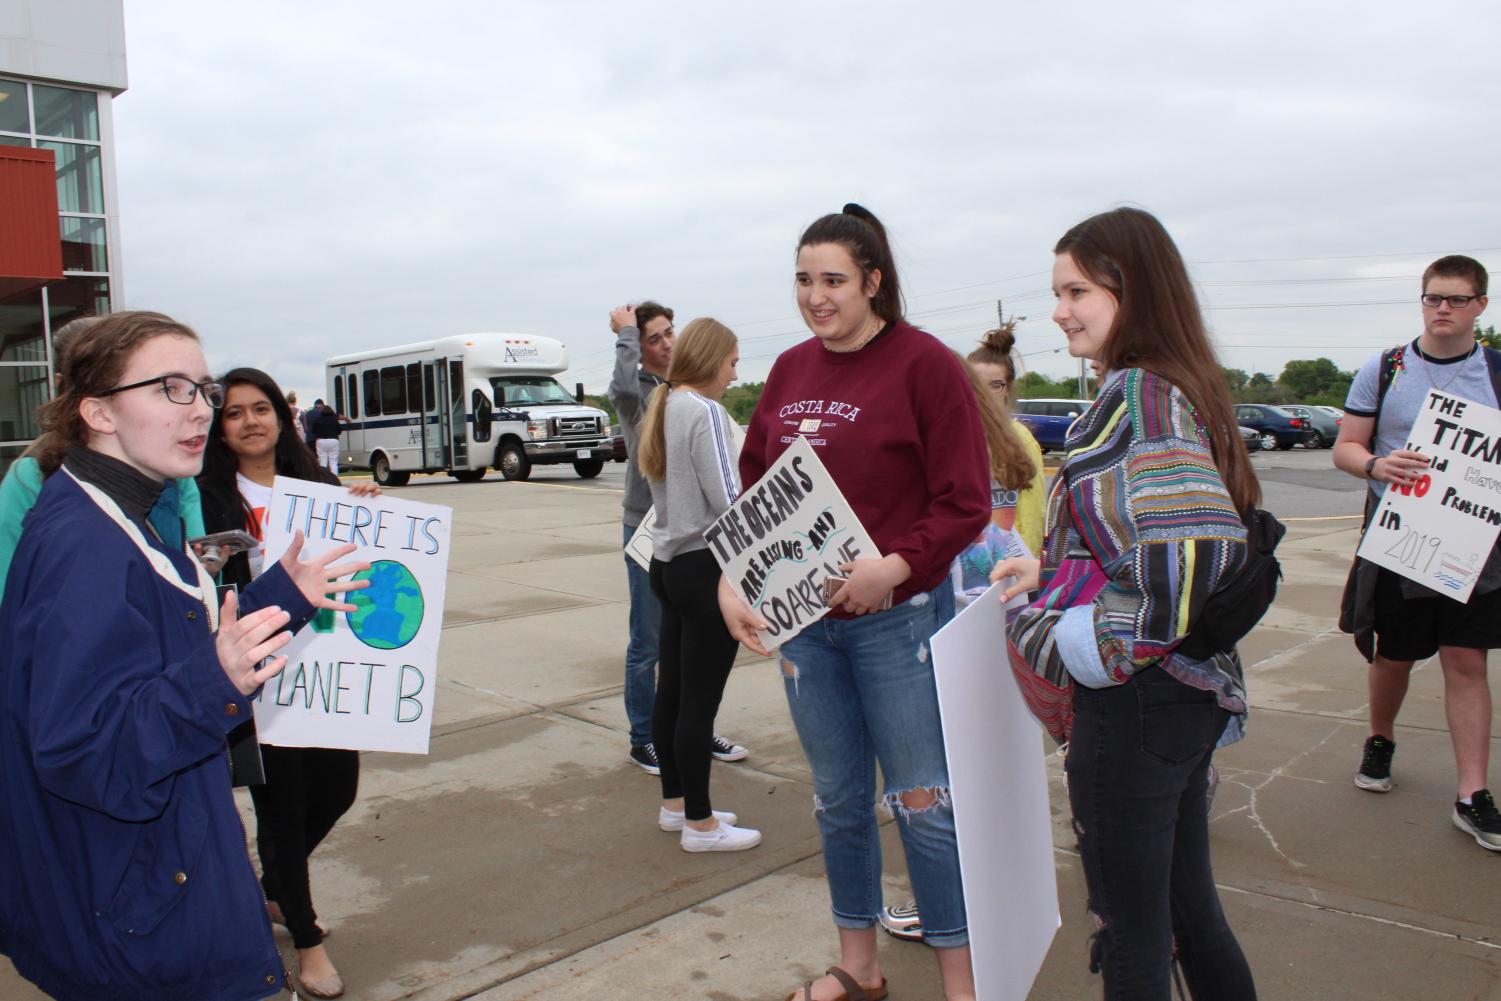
354, 396
455, 382
372, 393
393, 390
481, 416
414, 387
339, 395
429, 397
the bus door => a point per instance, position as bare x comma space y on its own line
437, 440
452, 423
346, 402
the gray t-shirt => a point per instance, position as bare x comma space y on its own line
1467, 376
702, 480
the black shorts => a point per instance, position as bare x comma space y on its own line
1414, 628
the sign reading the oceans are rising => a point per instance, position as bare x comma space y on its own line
363, 680
785, 534
1440, 530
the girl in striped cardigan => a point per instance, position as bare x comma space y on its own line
1143, 525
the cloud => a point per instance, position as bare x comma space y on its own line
305, 179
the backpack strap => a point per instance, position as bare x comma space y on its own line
1386, 374
1493, 362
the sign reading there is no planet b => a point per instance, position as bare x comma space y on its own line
366, 679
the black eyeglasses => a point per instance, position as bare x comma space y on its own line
1455, 301
179, 389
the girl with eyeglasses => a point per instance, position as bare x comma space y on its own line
124, 873
23, 480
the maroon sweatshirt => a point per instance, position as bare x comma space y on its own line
897, 426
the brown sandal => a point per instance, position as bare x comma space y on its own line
852, 989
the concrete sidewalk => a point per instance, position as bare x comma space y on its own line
521, 858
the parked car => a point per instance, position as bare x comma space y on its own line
1325, 426
1277, 427
617, 443
1252, 439
1048, 420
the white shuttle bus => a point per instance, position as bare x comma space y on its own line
461, 404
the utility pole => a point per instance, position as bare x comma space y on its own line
1083, 385
1000, 315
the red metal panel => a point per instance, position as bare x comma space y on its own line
31, 251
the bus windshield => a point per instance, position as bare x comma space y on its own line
528, 390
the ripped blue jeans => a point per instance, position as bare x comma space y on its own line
861, 691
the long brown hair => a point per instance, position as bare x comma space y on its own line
1158, 327
91, 363
1010, 464
699, 353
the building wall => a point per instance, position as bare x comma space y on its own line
61, 64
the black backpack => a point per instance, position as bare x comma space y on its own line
1238, 604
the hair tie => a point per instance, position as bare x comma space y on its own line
667, 383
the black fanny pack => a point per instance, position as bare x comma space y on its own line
1238, 604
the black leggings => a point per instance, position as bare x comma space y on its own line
307, 790
694, 661
1137, 776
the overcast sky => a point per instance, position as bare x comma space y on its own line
302, 179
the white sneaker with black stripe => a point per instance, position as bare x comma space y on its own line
902, 921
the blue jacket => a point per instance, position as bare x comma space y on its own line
125, 872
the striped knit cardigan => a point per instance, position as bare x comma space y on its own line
1141, 526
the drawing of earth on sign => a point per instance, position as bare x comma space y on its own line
388, 613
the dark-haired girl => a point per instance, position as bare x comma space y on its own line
124, 872
252, 440
1143, 525
892, 416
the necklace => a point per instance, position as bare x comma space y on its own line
1457, 364
865, 338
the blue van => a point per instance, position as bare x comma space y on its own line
1048, 420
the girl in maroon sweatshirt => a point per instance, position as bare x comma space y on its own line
891, 414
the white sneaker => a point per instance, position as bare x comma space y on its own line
673, 820
724, 838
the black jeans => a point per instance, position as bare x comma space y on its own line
694, 659
307, 790
1138, 770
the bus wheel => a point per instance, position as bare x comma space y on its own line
588, 468
469, 475
381, 470
512, 462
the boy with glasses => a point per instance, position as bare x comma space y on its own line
1397, 621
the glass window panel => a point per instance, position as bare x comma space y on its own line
354, 397
414, 387
393, 390
23, 388
13, 107
427, 388
14, 141
372, 393
84, 247
72, 298
339, 397
9, 454
21, 329
80, 178
62, 111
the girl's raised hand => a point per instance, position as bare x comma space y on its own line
317, 580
